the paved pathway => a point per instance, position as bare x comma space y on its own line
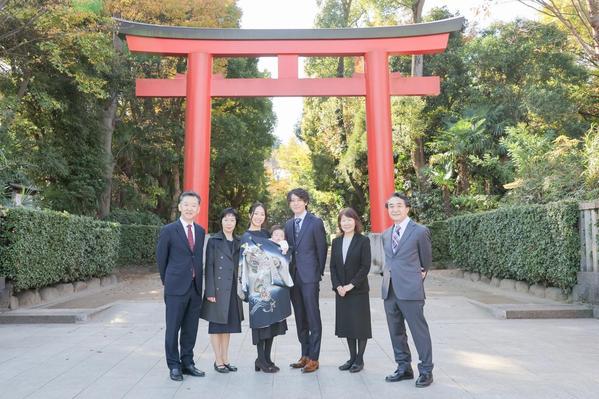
120, 355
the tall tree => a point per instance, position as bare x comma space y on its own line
56, 56
579, 17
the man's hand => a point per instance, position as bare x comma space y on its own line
424, 273
341, 290
211, 299
348, 288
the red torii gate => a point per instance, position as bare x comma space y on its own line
199, 85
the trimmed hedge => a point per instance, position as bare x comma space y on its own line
533, 243
124, 216
440, 240
138, 244
41, 247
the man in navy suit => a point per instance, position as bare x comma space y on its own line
307, 239
179, 256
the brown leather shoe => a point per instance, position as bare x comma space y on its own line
300, 363
311, 366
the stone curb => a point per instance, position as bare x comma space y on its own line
509, 285
50, 316
59, 292
536, 311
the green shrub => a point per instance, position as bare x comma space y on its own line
532, 243
124, 216
137, 244
440, 239
40, 247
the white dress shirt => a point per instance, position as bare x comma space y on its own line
301, 217
193, 230
402, 226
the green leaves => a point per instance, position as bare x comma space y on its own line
40, 248
535, 243
137, 244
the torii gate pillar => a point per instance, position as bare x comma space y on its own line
196, 173
379, 137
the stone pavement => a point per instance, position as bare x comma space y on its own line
119, 354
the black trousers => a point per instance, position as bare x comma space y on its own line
304, 297
182, 317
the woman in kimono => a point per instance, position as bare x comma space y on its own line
264, 283
350, 264
221, 305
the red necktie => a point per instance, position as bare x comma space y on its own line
191, 245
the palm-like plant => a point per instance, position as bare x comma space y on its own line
455, 145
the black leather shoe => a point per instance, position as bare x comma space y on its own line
273, 366
347, 365
400, 375
230, 367
264, 367
424, 380
221, 368
192, 370
176, 375
356, 368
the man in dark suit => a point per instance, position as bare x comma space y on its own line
408, 256
307, 240
179, 256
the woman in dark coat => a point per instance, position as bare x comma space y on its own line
221, 306
263, 337
350, 264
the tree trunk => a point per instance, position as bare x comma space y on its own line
594, 21
446, 201
108, 123
176, 191
23, 88
417, 154
464, 183
417, 18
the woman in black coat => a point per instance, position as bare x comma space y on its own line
221, 306
350, 264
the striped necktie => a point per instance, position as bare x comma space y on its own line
395, 239
297, 227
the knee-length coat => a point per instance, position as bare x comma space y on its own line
220, 271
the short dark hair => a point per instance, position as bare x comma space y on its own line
189, 194
402, 196
349, 213
300, 193
276, 227
253, 208
229, 211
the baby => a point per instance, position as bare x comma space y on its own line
277, 235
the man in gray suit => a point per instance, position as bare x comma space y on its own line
408, 255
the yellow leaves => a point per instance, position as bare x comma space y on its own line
198, 13
515, 184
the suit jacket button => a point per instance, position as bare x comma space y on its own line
220, 267
221, 257
219, 277
217, 288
